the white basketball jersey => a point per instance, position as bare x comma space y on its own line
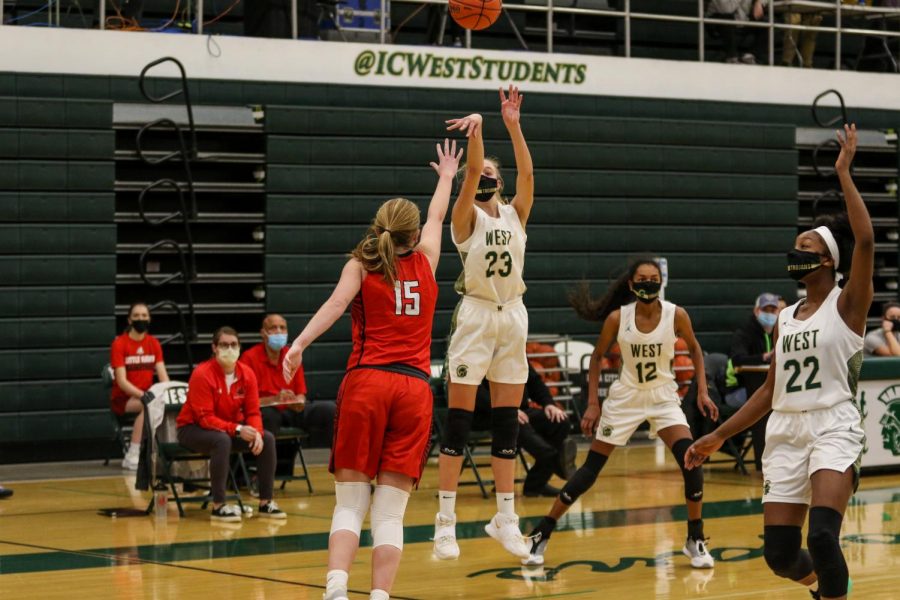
493, 257
647, 357
817, 360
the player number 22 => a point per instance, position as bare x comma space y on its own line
407, 298
811, 383
504, 270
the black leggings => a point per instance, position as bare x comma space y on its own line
219, 445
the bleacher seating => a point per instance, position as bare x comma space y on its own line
712, 186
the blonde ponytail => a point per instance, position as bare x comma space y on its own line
396, 224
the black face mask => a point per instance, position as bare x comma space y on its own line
140, 326
487, 187
896, 323
646, 291
801, 263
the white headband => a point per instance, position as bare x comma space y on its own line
826, 235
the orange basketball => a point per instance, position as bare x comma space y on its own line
475, 14
681, 346
683, 367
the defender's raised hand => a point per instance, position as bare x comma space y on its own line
448, 159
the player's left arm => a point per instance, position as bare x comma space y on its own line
856, 297
510, 110
446, 168
344, 292
684, 329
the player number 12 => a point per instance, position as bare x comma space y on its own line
407, 299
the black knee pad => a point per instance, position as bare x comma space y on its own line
583, 478
693, 479
783, 554
459, 424
824, 542
504, 431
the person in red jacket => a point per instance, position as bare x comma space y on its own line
135, 357
222, 414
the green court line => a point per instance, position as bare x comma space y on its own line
413, 534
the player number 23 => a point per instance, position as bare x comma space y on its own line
492, 259
407, 298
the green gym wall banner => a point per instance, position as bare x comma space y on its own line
225, 58
879, 403
428, 65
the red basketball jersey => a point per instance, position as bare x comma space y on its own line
392, 325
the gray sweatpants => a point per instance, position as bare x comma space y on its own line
219, 446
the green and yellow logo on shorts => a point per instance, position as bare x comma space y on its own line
767, 487
606, 431
462, 371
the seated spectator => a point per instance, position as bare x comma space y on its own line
543, 433
135, 356
751, 345
221, 414
885, 341
742, 44
266, 360
806, 38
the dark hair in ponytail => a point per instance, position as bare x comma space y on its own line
839, 225
618, 293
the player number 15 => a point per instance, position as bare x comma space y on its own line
407, 298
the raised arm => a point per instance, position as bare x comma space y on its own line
446, 167
510, 110
344, 292
607, 338
759, 404
684, 329
462, 219
856, 297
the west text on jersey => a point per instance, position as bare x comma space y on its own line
646, 350
798, 342
497, 237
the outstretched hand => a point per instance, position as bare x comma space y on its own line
589, 419
292, 361
707, 407
510, 105
470, 125
448, 159
700, 450
847, 141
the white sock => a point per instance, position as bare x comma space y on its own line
506, 503
134, 449
379, 595
336, 579
447, 504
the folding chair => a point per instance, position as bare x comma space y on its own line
737, 447
170, 453
298, 436
123, 425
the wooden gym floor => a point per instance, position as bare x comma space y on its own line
621, 540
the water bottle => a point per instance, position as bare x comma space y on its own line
161, 503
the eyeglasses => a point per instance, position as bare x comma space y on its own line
226, 346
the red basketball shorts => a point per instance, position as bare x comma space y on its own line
383, 423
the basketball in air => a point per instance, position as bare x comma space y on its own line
475, 14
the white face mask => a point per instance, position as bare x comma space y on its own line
228, 357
